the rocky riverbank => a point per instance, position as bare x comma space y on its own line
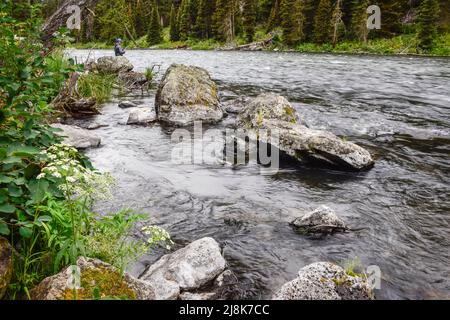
199, 270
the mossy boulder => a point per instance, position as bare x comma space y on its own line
97, 280
111, 65
187, 94
267, 106
6, 265
325, 281
274, 114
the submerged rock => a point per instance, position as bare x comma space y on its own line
6, 265
132, 80
77, 137
112, 65
325, 281
141, 116
96, 276
187, 269
187, 94
127, 104
235, 106
321, 220
275, 114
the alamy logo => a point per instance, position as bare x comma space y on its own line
74, 21
374, 19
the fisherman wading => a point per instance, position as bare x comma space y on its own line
118, 49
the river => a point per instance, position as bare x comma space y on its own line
396, 107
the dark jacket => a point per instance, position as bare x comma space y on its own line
119, 50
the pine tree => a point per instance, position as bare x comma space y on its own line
274, 18
184, 20
249, 19
292, 21
174, 33
203, 26
112, 19
322, 22
309, 8
359, 19
428, 17
337, 22
391, 11
224, 20
154, 32
141, 11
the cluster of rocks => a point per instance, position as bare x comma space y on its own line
187, 94
195, 272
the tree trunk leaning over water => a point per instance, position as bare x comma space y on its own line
60, 17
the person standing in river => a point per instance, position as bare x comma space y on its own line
118, 49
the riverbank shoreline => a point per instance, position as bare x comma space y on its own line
402, 46
365, 54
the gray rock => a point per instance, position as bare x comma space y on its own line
127, 104
321, 220
141, 116
198, 296
112, 65
77, 137
187, 269
325, 281
275, 114
316, 146
94, 274
132, 79
6, 265
267, 106
187, 94
235, 106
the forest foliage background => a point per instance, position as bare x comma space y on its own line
415, 26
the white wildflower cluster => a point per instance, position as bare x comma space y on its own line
157, 235
76, 180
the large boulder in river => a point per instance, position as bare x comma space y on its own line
6, 265
77, 137
317, 146
325, 281
187, 94
275, 114
112, 65
267, 106
187, 269
322, 220
96, 280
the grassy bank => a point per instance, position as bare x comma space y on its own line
399, 45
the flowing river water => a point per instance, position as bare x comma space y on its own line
396, 107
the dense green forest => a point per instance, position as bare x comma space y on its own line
294, 23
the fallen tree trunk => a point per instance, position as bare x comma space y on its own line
61, 16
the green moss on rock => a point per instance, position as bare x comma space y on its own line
101, 283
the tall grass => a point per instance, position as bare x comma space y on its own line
95, 85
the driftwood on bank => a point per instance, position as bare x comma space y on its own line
61, 16
69, 101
